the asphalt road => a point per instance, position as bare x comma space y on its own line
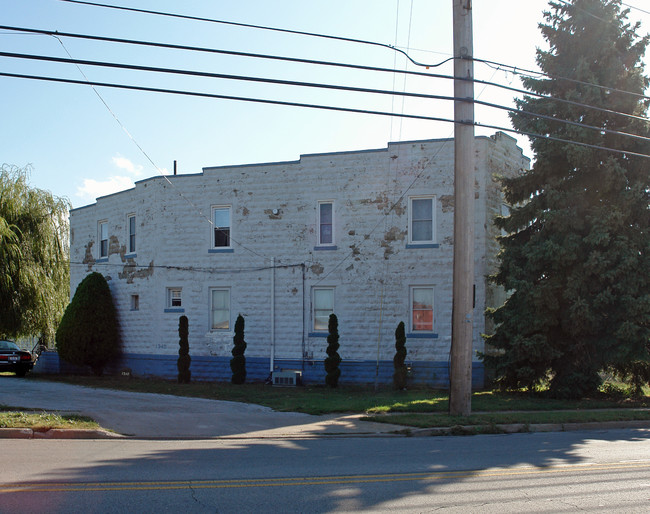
165, 416
607, 471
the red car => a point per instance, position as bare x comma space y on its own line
14, 359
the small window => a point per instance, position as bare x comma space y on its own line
103, 239
221, 220
131, 225
135, 302
322, 307
325, 223
422, 309
174, 297
422, 219
220, 309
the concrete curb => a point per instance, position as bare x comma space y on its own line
459, 430
524, 428
57, 433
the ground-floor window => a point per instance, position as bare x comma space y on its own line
422, 309
322, 307
220, 309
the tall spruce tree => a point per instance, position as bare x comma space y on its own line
577, 251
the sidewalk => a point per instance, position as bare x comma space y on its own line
163, 416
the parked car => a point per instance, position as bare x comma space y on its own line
12, 358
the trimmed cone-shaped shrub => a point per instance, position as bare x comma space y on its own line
399, 376
333, 358
184, 359
89, 332
238, 361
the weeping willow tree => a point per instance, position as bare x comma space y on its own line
34, 274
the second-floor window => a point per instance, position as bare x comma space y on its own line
221, 220
103, 239
422, 219
131, 224
325, 223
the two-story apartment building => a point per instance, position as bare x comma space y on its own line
367, 235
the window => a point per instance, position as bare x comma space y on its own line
220, 309
422, 220
323, 306
174, 297
221, 220
135, 302
103, 239
325, 223
422, 309
131, 225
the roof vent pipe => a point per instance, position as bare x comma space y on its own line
174, 167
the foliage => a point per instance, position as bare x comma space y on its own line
333, 358
399, 376
89, 333
577, 246
238, 361
34, 274
184, 359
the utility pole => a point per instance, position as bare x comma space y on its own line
460, 387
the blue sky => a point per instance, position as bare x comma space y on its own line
81, 146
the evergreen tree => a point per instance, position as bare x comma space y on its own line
184, 359
333, 358
34, 272
89, 333
577, 251
238, 361
399, 376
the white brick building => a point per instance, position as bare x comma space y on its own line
365, 234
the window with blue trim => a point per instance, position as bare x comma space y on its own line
421, 309
422, 220
221, 221
322, 307
174, 298
131, 225
326, 223
103, 239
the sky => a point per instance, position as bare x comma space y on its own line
82, 143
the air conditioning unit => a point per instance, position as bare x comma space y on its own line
287, 378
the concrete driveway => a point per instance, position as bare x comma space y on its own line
165, 416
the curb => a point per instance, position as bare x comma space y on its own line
517, 428
56, 433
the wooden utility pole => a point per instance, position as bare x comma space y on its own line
460, 387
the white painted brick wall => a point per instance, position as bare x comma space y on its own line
371, 269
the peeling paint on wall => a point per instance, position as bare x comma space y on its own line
447, 203
395, 234
130, 271
317, 269
88, 257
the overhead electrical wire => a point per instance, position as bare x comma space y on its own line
81, 62
315, 106
312, 34
318, 62
263, 27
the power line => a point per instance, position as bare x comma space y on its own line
316, 106
322, 63
129, 266
105, 64
264, 27
635, 8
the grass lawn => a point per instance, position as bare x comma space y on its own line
419, 407
16, 417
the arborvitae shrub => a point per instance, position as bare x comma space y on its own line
238, 361
333, 358
399, 376
89, 333
184, 359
